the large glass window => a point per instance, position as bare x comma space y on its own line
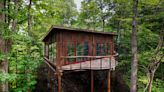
82, 49
108, 49
102, 49
86, 49
52, 52
70, 51
78, 51
98, 49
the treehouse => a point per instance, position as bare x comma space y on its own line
68, 49
76, 49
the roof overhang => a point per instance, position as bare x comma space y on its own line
53, 30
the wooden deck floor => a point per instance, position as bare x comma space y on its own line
98, 64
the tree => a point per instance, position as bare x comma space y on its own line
51, 12
88, 16
107, 9
96, 14
29, 16
134, 61
4, 46
157, 58
151, 51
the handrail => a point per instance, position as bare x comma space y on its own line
89, 56
47, 61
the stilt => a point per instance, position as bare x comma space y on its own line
48, 85
92, 81
109, 78
59, 83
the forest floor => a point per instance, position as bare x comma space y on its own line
80, 82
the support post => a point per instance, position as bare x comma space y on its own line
59, 82
46, 54
49, 78
46, 50
109, 79
92, 81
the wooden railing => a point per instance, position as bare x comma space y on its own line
87, 58
50, 64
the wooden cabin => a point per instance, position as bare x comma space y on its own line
68, 49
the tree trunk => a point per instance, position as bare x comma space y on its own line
14, 23
4, 50
29, 16
154, 65
134, 62
103, 23
151, 77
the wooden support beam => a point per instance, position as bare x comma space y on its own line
92, 81
49, 64
59, 83
109, 80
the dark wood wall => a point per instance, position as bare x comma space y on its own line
65, 37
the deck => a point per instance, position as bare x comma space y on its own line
97, 64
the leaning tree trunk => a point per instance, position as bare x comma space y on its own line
151, 77
134, 62
158, 58
155, 61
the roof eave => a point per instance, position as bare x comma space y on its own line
75, 29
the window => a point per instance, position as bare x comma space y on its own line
108, 49
98, 49
70, 51
86, 49
78, 51
102, 49
81, 50
52, 52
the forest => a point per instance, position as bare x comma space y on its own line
139, 25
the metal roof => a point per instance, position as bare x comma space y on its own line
53, 30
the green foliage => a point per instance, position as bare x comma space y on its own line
149, 25
89, 14
25, 55
26, 50
2, 56
24, 61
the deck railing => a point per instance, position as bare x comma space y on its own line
75, 52
84, 58
50, 64
70, 52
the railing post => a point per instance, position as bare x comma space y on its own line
46, 54
74, 51
46, 50
111, 46
66, 48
